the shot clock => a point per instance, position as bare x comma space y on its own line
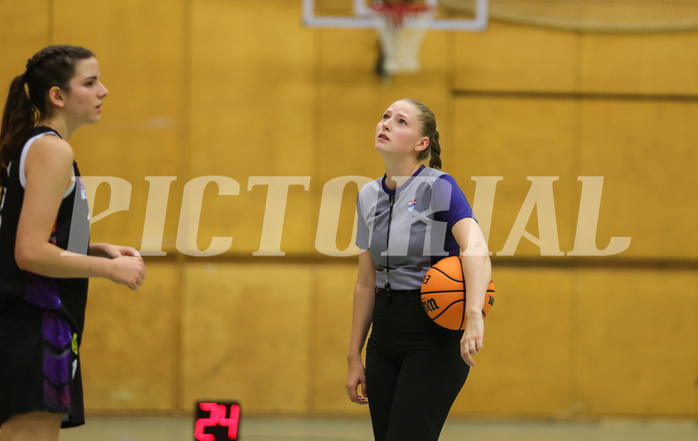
216, 421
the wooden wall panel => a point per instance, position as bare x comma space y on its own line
516, 58
652, 63
140, 45
638, 335
351, 103
646, 153
24, 31
515, 139
130, 156
251, 114
245, 335
526, 365
130, 346
330, 328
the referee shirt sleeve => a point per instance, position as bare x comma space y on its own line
448, 201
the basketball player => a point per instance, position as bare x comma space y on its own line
45, 255
409, 219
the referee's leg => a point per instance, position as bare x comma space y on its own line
426, 389
381, 379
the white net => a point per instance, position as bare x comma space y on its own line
401, 27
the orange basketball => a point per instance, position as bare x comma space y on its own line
443, 294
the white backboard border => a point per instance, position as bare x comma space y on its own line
362, 18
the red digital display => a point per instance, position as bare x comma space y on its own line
217, 421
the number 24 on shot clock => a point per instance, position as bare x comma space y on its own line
216, 421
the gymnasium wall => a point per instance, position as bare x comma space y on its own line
239, 95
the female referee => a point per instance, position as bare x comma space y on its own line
45, 254
409, 219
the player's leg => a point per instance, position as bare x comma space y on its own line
32, 426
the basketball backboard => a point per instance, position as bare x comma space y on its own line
358, 14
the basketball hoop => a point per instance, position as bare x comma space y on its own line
401, 27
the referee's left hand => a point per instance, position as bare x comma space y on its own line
473, 335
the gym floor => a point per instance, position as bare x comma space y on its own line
291, 429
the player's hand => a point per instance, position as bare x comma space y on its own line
355, 377
126, 251
113, 251
473, 335
128, 270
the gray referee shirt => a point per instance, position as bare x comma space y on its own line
417, 218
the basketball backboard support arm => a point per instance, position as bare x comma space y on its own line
362, 18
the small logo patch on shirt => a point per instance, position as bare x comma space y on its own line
411, 205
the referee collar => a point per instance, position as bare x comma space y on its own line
393, 192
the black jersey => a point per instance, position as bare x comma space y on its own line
67, 296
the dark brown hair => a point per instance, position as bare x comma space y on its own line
51, 66
433, 151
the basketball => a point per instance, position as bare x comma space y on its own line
443, 294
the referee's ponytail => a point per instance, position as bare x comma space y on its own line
435, 151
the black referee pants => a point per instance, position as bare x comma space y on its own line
414, 370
